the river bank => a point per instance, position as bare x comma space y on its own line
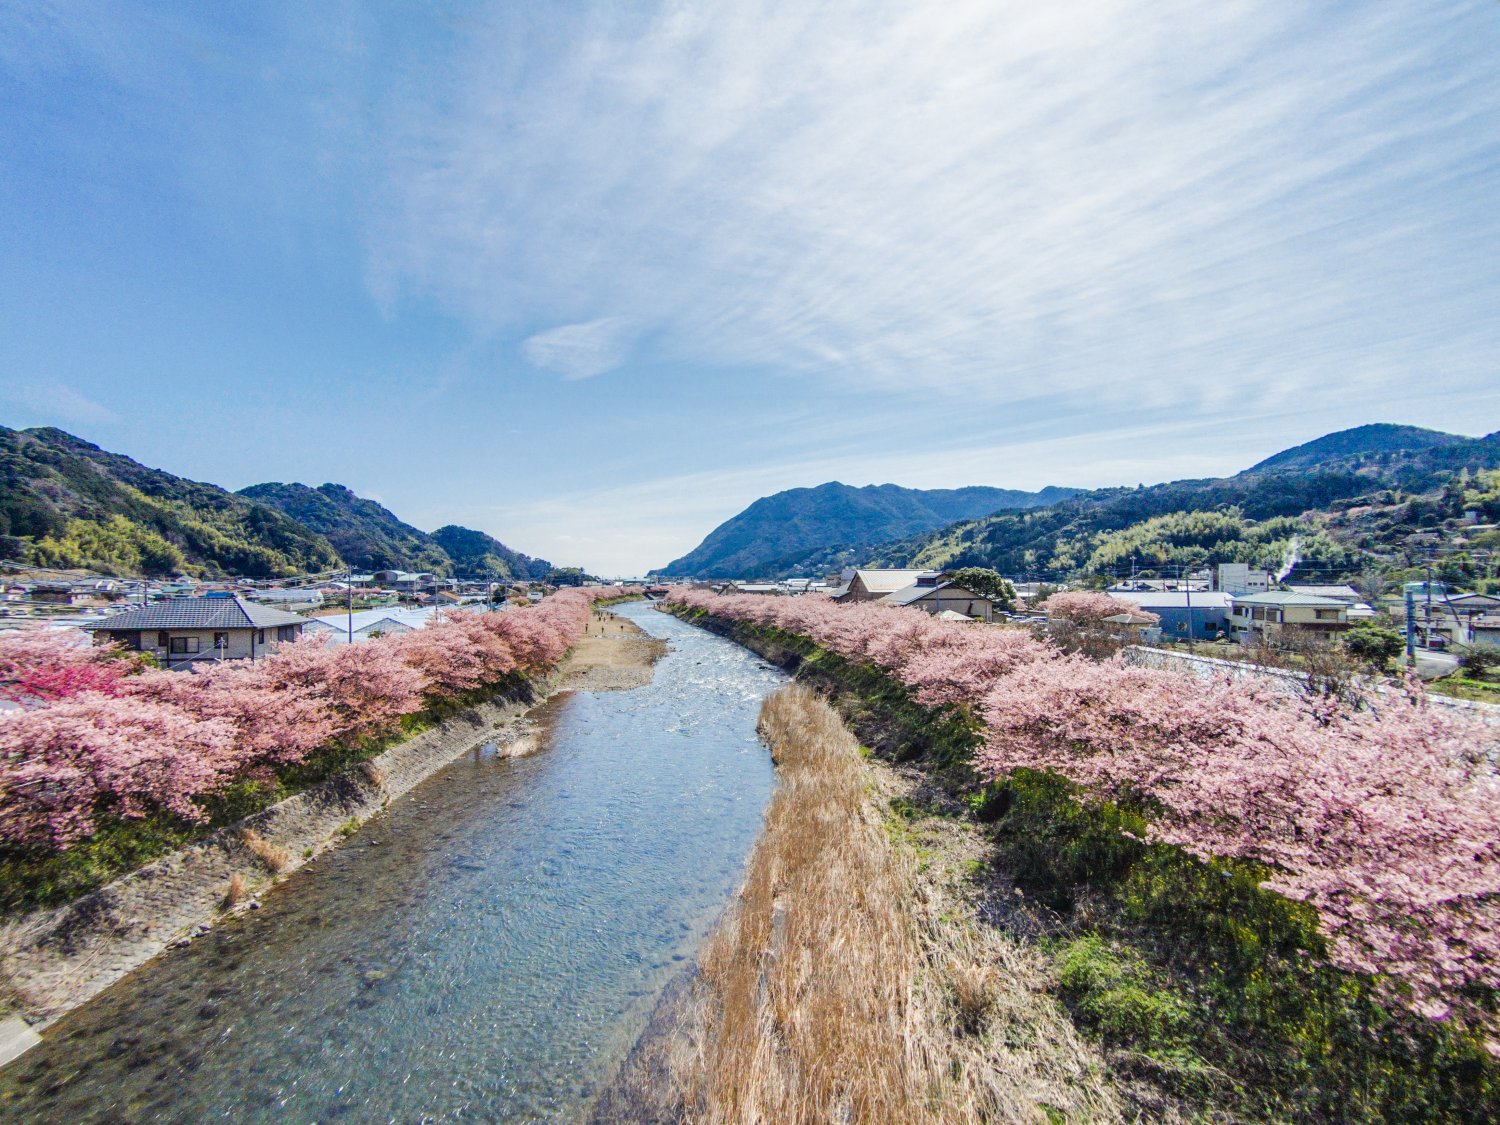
1206, 995
850, 979
55, 960
487, 948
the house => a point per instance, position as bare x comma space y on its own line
935, 596
872, 585
1283, 611
1456, 619
1339, 592
1199, 615
61, 594
180, 632
1133, 628
1240, 578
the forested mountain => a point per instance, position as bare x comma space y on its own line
365, 534
1377, 438
805, 529
65, 502
1363, 498
475, 553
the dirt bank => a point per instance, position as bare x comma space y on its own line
851, 979
614, 655
54, 960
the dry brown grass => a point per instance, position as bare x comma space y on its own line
843, 988
237, 891
276, 858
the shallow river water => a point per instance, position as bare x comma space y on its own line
486, 950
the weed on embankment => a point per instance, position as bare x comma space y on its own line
1210, 995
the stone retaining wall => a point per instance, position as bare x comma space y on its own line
55, 960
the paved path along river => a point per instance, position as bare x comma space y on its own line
487, 950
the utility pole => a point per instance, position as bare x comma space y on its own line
349, 595
1411, 628
1427, 617
1187, 594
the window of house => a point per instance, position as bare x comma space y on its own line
260, 636
162, 639
286, 632
183, 645
221, 640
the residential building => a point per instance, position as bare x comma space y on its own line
1159, 585
1283, 612
940, 597
1241, 578
1199, 615
1339, 592
872, 585
180, 632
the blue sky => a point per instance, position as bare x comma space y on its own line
592, 277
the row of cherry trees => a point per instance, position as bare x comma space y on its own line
1386, 819
101, 736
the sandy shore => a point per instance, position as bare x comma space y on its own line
614, 655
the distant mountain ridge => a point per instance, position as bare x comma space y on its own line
476, 553
1310, 488
809, 527
1378, 437
368, 536
66, 503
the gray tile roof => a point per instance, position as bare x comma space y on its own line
199, 613
1283, 597
917, 593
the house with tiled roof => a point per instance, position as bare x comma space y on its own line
181, 632
1284, 612
932, 594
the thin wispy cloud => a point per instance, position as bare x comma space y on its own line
579, 351
1123, 202
59, 404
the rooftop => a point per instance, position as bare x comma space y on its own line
1172, 599
198, 613
889, 581
1287, 597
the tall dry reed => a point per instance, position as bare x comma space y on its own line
839, 989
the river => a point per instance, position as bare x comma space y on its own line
486, 950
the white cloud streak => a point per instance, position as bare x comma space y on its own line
1114, 201
580, 351
57, 403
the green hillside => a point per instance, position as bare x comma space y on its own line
65, 502
1352, 502
475, 553
367, 535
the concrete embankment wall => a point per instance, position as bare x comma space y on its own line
1208, 667
55, 960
